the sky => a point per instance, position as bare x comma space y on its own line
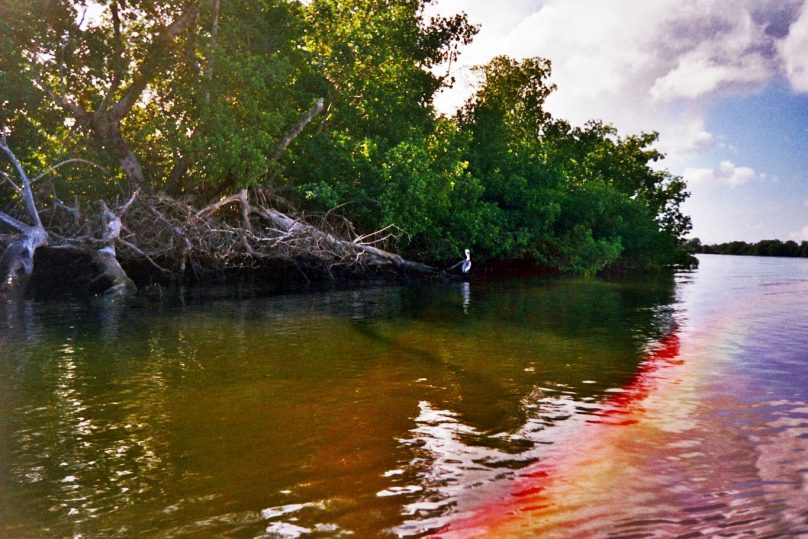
724, 83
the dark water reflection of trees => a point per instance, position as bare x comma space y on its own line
162, 416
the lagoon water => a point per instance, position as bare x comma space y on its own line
565, 407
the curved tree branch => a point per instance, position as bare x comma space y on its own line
148, 68
27, 193
17, 260
66, 162
284, 143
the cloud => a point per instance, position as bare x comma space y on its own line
802, 235
725, 50
685, 136
643, 65
793, 52
726, 174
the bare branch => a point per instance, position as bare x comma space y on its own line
113, 87
27, 193
126, 206
246, 209
11, 222
216, 6
10, 180
361, 239
72, 210
213, 208
284, 143
137, 250
69, 248
68, 161
77, 111
119, 53
147, 69
80, 22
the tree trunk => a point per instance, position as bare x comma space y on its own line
120, 285
372, 256
105, 121
118, 282
107, 131
17, 260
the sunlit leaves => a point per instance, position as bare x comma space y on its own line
503, 177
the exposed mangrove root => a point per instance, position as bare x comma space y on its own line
177, 239
238, 231
170, 235
17, 260
176, 236
106, 257
352, 252
119, 282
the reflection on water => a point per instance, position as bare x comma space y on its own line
566, 407
465, 290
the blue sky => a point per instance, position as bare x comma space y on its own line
724, 83
769, 131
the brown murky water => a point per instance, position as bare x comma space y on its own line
561, 407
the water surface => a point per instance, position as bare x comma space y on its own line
568, 407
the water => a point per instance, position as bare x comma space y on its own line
558, 407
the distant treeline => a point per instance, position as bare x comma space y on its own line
761, 248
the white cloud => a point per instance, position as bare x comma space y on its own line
736, 55
685, 136
794, 52
726, 174
697, 74
802, 235
642, 65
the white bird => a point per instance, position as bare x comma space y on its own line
466, 263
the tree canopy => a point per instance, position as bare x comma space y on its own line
788, 248
198, 99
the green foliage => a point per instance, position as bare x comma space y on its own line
375, 56
231, 97
573, 198
577, 251
788, 248
503, 177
